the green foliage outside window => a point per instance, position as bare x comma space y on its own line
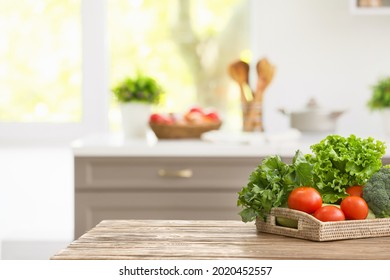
178, 48
40, 53
40, 61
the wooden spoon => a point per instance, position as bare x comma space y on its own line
265, 72
239, 71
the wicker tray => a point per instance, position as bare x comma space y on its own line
176, 131
312, 229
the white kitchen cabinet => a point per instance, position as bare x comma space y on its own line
158, 188
186, 179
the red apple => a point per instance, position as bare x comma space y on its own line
194, 117
213, 116
196, 109
160, 119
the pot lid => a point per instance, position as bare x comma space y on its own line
313, 107
312, 104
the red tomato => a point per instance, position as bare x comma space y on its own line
355, 191
354, 208
306, 199
329, 213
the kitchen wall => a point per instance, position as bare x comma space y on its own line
36, 201
322, 50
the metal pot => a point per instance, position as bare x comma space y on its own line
313, 118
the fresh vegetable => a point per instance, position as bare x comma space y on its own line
286, 222
271, 183
306, 199
340, 162
336, 164
354, 208
355, 191
377, 193
370, 214
329, 213
327, 204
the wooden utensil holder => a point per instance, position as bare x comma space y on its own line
252, 116
252, 101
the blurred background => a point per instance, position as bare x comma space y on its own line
60, 59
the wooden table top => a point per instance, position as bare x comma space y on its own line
165, 239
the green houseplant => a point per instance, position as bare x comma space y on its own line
380, 101
380, 98
143, 89
135, 96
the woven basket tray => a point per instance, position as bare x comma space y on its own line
312, 229
176, 131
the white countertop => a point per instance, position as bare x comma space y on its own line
255, 146
177, 148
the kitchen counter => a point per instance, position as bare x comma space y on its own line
185, 239
117, 178
232, 145
116, 145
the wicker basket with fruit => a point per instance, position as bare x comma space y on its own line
190, 125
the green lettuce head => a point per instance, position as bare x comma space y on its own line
340, 162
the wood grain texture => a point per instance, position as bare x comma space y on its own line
161, 239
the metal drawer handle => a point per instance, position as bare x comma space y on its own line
182, 173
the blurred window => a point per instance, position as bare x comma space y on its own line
185, 44
40, 61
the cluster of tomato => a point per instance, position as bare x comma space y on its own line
195, 115
309, 200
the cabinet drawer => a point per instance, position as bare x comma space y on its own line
162, 173
91, 208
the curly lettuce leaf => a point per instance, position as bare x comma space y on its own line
340, 162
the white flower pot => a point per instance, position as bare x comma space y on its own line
385, 113
135, 118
